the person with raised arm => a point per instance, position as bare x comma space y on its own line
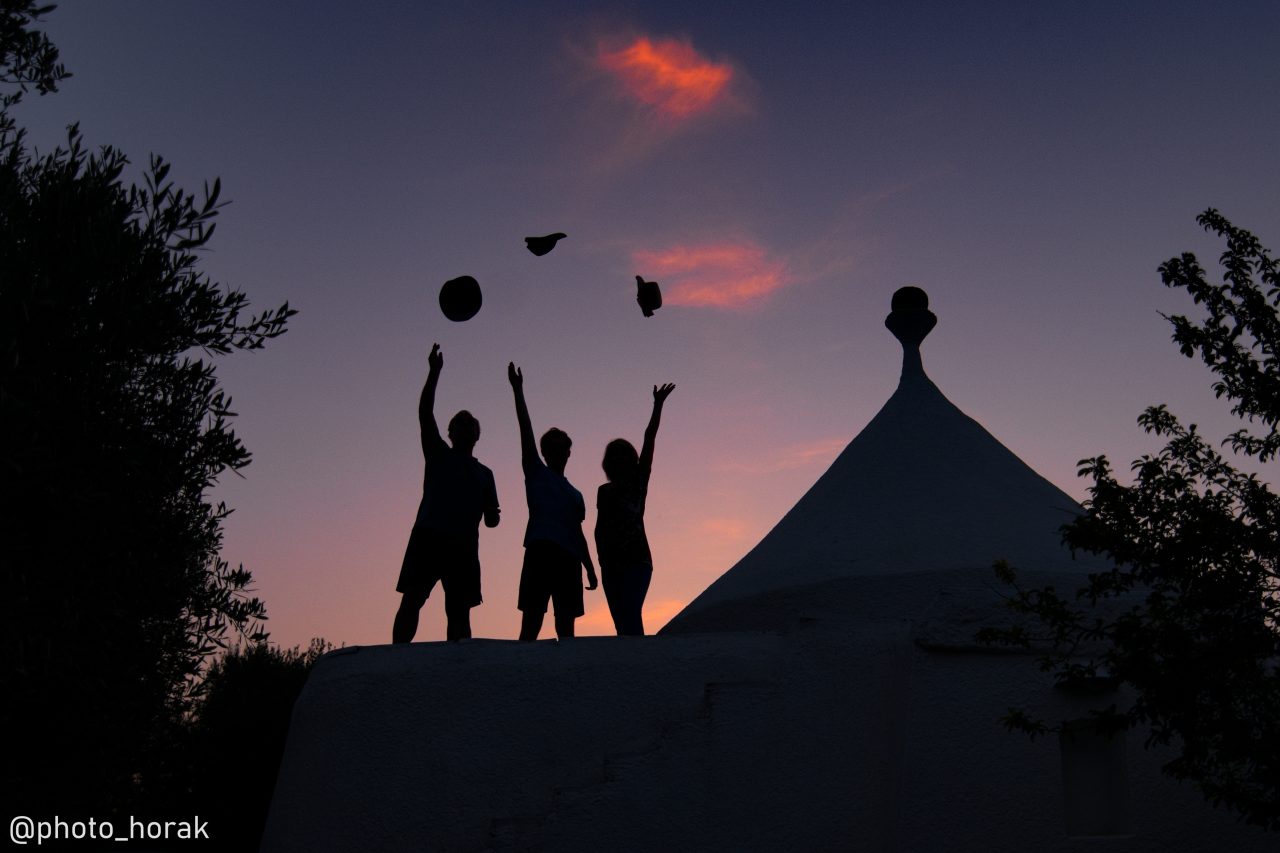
626, 564
457, 492
554, 545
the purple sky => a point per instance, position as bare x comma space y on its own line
780, 174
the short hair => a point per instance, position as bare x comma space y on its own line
464, 420
553, 438
620, 460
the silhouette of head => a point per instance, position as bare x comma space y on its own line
620, 460
556, 444
464, 430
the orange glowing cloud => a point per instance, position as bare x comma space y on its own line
714, 275
668, 75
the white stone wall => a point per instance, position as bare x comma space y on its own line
830, 737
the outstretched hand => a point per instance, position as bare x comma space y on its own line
435, 361
514, 376
661, 394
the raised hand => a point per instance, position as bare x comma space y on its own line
661, 394
528, 447
435, 361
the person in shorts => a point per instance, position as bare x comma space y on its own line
555, 547
457, 492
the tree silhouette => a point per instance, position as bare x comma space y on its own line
1191, 615
115, 428
238, 736
27, 58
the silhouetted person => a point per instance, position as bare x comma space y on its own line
457, 491
554, 546
626, 565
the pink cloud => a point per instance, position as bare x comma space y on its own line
730, 529
819, 452
668, 75
730, 274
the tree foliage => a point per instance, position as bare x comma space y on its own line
27, 57
1190, 615
115, 429
237, 736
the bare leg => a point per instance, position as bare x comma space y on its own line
459, 620
564, 626
406, 624
531, 626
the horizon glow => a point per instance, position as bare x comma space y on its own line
778, 175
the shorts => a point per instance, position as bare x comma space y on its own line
434, 556
550, 573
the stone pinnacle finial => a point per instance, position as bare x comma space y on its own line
911, 321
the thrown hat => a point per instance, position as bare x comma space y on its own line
541, 245
460, 298
648, 295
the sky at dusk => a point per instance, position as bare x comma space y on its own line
779, 170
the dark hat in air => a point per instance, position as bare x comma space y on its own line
648, 295
541, 245
460, 298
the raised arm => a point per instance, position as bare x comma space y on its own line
427, 402
528, 447
660, 396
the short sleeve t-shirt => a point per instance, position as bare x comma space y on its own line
556, 509
456, 491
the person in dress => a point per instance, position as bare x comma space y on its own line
626, 564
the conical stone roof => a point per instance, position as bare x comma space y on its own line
922, 489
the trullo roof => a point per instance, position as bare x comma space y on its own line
922, 489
